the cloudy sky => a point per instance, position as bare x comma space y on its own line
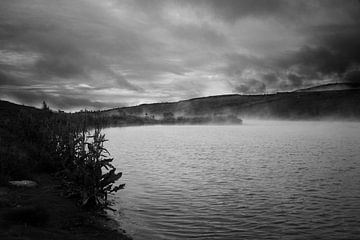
101, 54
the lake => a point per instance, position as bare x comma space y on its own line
259, 180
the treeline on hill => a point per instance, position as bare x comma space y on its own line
121, 118
33, 140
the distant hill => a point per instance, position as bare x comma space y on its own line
309, 104
332, 87
337, 101
9, 109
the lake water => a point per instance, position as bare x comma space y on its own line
260, 180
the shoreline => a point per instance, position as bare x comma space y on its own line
50, 215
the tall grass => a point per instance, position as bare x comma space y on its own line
60, 143
92, 170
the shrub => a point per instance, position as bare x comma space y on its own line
95, 173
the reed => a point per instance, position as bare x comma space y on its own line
60, 143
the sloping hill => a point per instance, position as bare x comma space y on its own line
332, 87
315, 103
10, 110
342, 104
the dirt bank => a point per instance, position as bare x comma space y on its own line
43, 213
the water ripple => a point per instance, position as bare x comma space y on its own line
266, 180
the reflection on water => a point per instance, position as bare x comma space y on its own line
261, 180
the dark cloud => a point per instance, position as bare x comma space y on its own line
154, 50
336, 49
251, 86
346, 44
199, 35
61, 66
5, 79
352, 76
311, 60
237, 63
233, 9
295, 81
270, 79
64, 52
330, 50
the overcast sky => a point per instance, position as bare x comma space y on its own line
100, 54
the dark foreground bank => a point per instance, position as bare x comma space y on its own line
36, 144
43, 212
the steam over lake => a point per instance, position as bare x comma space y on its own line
260, 180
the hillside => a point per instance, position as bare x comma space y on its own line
332, 87
338, 104
8, 109
312, 103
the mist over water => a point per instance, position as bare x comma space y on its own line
259, 180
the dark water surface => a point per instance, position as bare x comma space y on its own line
261, 180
